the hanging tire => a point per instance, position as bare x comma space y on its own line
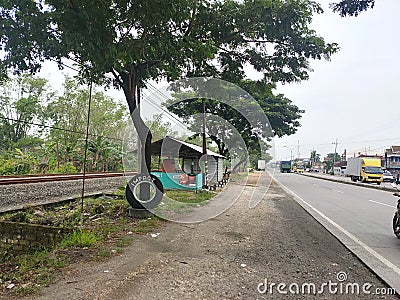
156, 191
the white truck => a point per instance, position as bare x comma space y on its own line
365, 169
261, 165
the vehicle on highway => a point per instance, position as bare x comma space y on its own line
365, 169
261, 165
300, 169
388, 177
285, 166
396, 218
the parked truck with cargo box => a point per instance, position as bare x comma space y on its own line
365, 169
261, 165
285, 166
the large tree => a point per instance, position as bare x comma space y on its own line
136, 41
67, 114
283, 116
21, 103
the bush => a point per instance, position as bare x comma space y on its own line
78, 239
67, 168
15, 167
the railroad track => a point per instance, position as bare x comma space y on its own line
8, 180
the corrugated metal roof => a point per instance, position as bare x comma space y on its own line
174, 147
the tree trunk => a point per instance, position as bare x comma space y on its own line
130, 88
236, 167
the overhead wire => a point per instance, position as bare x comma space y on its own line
59, 128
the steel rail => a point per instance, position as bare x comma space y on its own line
19, 179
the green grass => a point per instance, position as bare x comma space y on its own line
147, 225
79, 239
238, 176
31, 271
189, 196
104, 234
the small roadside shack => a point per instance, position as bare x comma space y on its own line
179, 165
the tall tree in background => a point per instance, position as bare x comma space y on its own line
21, 103
136, 41
281, 112
68, 115
160, 128
44, 132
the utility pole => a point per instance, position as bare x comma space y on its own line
334, 155
291, 152
298, 148
205, 183
312, 158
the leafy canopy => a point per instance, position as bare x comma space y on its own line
164, 38
127, 43
352, 7
282, 114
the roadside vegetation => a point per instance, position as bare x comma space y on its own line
106, 230
44, 132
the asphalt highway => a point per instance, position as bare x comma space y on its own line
360, 217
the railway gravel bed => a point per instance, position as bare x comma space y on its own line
17, 195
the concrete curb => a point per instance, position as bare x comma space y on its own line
371, 186
370, 261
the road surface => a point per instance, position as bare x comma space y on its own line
360, 216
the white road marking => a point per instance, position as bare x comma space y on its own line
345, 232
337, 191
382, 203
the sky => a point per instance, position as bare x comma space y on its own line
353, 98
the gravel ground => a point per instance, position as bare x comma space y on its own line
17, 195
228, 257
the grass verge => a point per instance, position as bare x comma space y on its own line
106, 230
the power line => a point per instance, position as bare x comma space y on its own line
355, 142
160, 107
168, 114
58, 128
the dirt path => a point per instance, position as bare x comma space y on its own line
224, 258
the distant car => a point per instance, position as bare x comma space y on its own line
388, 177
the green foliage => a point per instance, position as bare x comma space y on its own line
332, 157
189, 196
315, 157
35, 268
282, 114
137, 41
78, 238
17, 162
21, 103
352, 7
160, 128
69, 112
26, 148
67, 168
